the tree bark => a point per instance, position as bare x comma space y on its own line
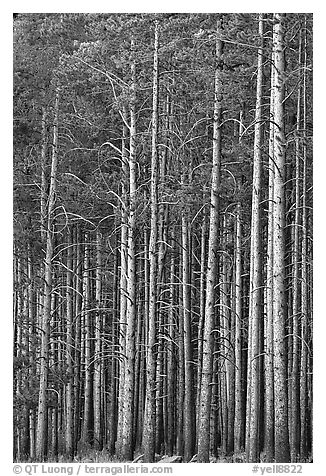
87, 341
295, 377
189, 442
205, 398
256, 321
69, 429
150, 405
97, 384
238, 411
41, 430
282, 451
269, 357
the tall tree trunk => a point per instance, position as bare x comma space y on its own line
205, 398
181, 368
41, 430
189, 390
294, 389
111, 410
127, 437
304, 285
97, 385
43, 177
87, 339
123, 283
69, 429
256, 316
269, 367
171, 404
238, 411
201, 313
282, 451
78, 286
150, 417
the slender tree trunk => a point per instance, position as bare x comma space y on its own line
189, 442
171, 426
78, 286
150, 417
282, 451
201, 314
97, 384
304, 286
112, 415
41, 430
127, 436
43, 177
181, 368
295, 377
269, 367
238, 411
256, 321
69, 429
205, 398
123, 285
87, 333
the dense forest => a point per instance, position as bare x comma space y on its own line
163, 237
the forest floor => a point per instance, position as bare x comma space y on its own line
95, 456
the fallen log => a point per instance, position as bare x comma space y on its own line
171, 459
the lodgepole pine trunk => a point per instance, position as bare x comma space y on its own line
87, 339
304, 285
282, 450
253, 432
201, 315
171, 382
188, 434
78, 286
128, 392
268, 362
123, 284
295, 379
205, 397
41, 430
238, 411
97, 384
43, 177
181, 368
150, 405
69, 428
